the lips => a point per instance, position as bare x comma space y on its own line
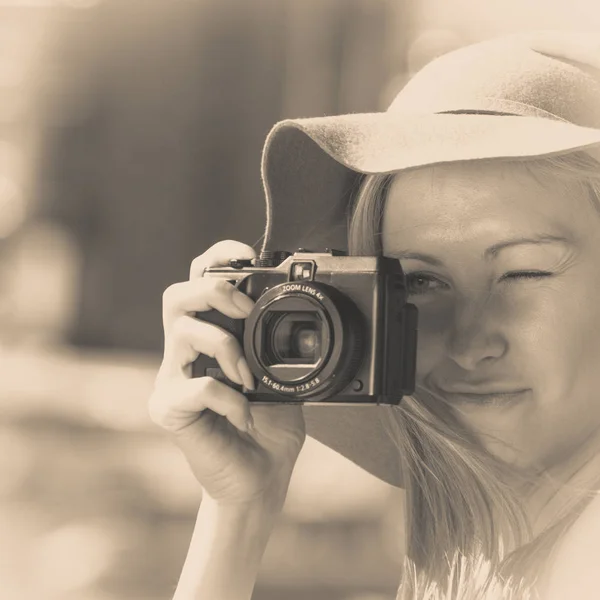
481, 392
487, 397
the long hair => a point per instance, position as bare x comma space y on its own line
464, 521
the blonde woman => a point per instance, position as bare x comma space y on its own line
483, 179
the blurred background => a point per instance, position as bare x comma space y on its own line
130, 140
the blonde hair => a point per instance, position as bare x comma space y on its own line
461, 512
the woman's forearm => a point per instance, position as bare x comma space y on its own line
225, 552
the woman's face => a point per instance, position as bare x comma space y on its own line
505, 271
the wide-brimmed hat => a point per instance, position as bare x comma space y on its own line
517, 97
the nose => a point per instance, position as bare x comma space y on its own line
474, 335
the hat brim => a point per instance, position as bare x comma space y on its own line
311, 168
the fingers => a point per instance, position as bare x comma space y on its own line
178, 398
189, 337
176, 404
199, 295
219, 255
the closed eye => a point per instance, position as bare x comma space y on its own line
526, 275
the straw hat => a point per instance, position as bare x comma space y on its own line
520, 96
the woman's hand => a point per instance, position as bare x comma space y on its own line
239, 453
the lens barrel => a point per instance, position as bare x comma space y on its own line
305, 340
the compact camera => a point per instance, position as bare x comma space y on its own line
326, 328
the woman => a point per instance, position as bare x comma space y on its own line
482, 180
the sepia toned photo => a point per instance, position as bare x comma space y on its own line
299, 300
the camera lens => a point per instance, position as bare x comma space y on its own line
304, 340
294, 337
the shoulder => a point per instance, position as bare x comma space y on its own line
575, 572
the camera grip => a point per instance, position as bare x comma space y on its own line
205, 366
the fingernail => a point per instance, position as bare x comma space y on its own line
246, 374
243, 302
250, 423
234, 375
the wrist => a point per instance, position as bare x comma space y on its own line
269, 500
226, 549
261, 509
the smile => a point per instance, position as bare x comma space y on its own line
493, 398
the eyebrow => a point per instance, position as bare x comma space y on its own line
491, 252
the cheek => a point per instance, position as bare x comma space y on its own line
559, 328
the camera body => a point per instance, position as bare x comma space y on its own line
326, 328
